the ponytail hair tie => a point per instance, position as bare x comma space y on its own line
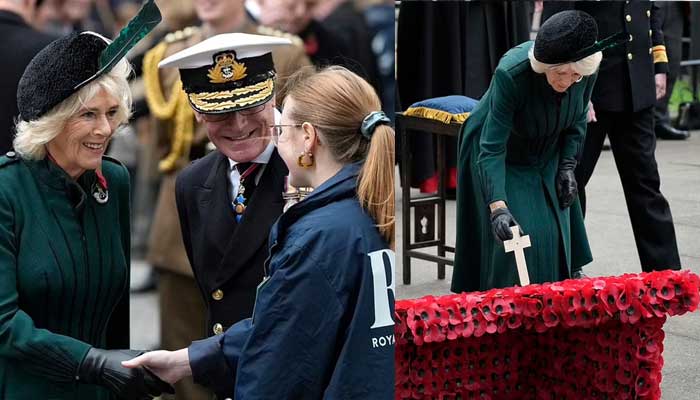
371, 121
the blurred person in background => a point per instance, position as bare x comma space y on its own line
322, 46
20, 43
68, 16
345, 19
380, 18
333, 32
674, 19
135, 144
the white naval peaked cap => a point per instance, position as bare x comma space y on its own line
245, 45
227, 72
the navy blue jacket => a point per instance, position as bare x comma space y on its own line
322, 327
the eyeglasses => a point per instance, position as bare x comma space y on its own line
224, 116
276, 131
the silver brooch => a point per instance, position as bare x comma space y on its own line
100, 194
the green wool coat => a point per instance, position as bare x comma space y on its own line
63, 276
509, 149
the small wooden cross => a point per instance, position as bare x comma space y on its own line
518, 245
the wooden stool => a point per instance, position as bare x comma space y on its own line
425, 234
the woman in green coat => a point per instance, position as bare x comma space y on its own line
517, 154
64, 233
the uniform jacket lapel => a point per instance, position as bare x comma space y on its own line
214, 203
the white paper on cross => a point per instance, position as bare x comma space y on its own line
517, 245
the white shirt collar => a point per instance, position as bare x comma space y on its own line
262, 158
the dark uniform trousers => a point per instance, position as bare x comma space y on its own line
633, 142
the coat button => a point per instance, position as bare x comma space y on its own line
648, 13
649, 50
218, 329
217, 295
629, 56
11, 154
631, 38
628, 18
649, 32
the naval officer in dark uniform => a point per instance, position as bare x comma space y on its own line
631, 78
674, 15
228, 200
19, 44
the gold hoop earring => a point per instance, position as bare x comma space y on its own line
306, 159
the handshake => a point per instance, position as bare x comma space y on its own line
104, 368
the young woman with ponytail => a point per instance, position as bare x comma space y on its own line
334, 118
322, 327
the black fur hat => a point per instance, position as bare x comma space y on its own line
566, 36
71, 62
57, 71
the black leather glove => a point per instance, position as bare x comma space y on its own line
103, 367
501, 221
567, 189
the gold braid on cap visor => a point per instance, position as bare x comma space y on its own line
209, 101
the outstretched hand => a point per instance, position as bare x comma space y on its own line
103, 367
170, 366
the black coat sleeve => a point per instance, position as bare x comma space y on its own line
656, 20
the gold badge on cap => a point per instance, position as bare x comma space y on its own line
227, 69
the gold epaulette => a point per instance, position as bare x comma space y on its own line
176, 108
182, 34
268, 31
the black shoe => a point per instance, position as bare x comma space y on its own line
667, 132
578, 274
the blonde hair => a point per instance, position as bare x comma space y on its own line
335, 101
32, 136
585, 66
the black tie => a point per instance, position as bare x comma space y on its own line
242, 167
